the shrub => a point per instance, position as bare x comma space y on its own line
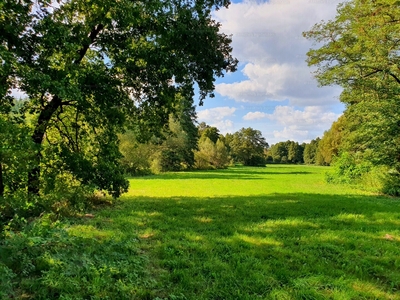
41, 261
348, 168
355, 169
391, 183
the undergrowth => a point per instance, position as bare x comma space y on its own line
45, 261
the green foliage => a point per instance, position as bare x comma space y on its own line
356, 169
310, 152
360, 52
391, 183
206, 131
348, 168
211, 155
247, 146
295, 153
6, 278
286, 152
278, 151
177, 148
360, 46
135, 155
45, 261
90, 69
172, 151
222, 159
205, 154
16, 151
329, 145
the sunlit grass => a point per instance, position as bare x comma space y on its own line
237, 181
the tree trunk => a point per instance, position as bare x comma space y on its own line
1, 181
37, 137
46, 114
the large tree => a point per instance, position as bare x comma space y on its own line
247, 146
360, 51
88, 64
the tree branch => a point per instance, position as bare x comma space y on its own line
372, 73
395, 77
66, 134
92, 37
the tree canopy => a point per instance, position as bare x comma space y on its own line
247, 146
360, 51
90, 66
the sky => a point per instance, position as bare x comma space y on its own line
273, 90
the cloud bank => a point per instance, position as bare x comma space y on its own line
267, 39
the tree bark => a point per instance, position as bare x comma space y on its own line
1, 181
37, 137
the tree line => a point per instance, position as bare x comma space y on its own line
191, 147
204, 147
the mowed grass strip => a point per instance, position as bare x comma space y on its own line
255, 233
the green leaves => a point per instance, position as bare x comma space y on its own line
360, 47
361, 52
90, 68
247, 146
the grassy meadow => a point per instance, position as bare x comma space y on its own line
278, 232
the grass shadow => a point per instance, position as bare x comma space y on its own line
296, 245
238, 172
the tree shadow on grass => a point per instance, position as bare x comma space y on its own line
248, 173
298, 245
273, 246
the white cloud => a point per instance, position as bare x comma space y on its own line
301, 125
291, 134
267, 39
217, 117
312, 117
225, 126
215, 114
255, 116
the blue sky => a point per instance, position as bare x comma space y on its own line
273, 90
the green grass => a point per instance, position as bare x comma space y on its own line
278, 232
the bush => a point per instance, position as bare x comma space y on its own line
67, 196
355, 169
391, 183
6, 277
348, 168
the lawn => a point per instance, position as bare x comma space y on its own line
278, 232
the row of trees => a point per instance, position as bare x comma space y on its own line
203, 147
290, 152
187, 147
